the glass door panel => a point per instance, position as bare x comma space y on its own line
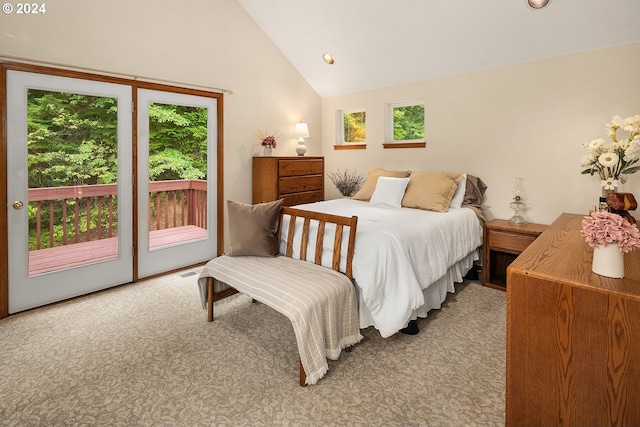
72, 172
176, 197
69, 151
177, 174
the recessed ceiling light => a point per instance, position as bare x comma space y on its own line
328, 58
538, 4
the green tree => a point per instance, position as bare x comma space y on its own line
177, 142
408, 123
355, 129
73, 140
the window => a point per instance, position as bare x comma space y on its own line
406, 122
352, 128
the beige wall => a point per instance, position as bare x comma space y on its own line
528, 120
211, 43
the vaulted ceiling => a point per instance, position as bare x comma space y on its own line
380, 43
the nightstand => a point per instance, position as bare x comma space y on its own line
503, 242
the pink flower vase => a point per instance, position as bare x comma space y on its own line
608, 260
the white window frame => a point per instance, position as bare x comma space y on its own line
340, 126
390, 120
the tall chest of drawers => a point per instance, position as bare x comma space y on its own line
295, 179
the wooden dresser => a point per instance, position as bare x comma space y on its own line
296, 179
573, 337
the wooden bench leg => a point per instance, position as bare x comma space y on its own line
210, 299
303, 376
348, 348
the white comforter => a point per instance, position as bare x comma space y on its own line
399, 252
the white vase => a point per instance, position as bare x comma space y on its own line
608, 261
267, 151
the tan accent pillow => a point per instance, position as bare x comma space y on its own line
252, 228
369, 185
431, 191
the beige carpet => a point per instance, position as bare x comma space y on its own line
144, 355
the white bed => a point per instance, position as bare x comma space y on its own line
406, 260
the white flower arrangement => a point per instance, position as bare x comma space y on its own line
614, 160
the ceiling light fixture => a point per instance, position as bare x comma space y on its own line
328, 58
538, 4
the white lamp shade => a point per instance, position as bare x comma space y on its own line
302, 130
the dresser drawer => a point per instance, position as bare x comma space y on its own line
509, 242
300, 167
305, 197
297, 184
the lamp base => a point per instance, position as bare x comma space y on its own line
301, 149
517, 217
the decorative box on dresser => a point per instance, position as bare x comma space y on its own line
503, 242
573, 337
296, 179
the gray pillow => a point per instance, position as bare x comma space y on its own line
252, 228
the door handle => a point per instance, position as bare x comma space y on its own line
17, 205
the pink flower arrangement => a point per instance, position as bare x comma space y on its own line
602, 228
268, 141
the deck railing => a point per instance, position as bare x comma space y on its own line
67, 215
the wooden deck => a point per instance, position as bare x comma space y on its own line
69, 256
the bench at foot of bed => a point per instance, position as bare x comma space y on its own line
320, 302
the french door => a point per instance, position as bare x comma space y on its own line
177, 170
69, 173
71, 176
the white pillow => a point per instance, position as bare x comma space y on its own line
458, 196
389, 191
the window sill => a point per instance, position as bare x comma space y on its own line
404, 145
350, 147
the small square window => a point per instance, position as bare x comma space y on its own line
406, 121
353, 127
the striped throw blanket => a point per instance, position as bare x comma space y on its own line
320, 302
